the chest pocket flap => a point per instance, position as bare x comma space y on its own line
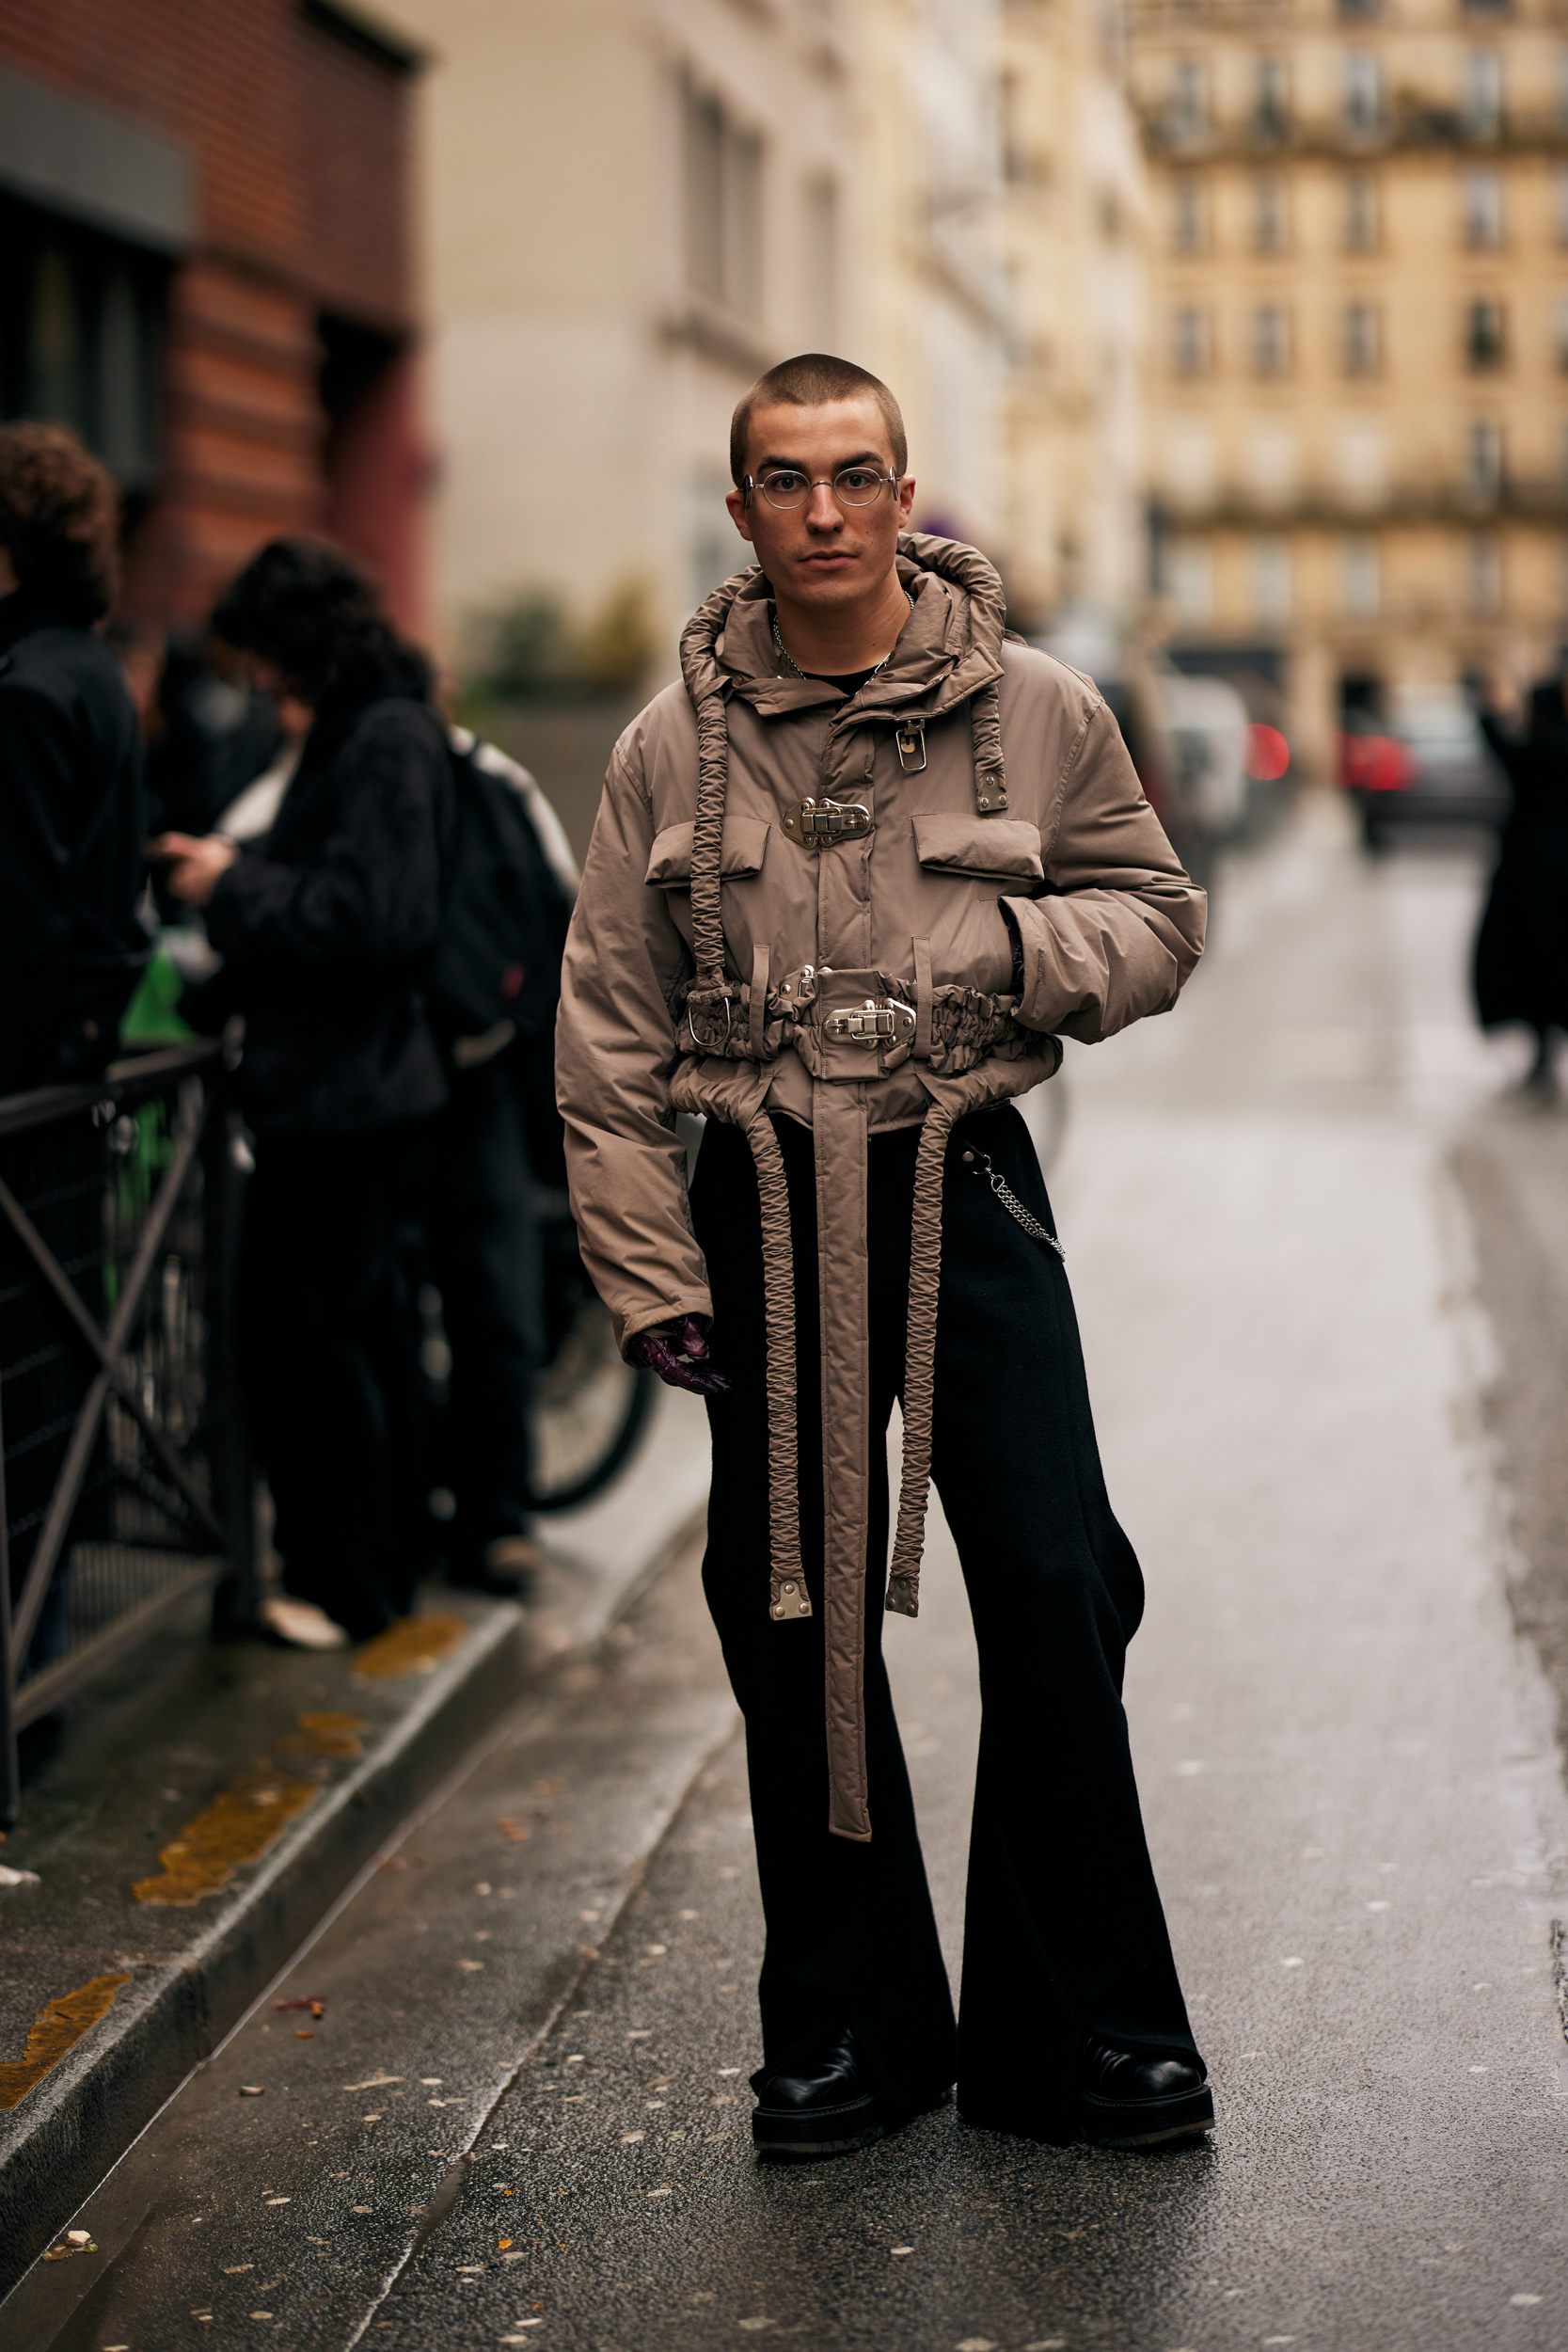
990, 848
745, 846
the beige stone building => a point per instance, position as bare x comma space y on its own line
631, 208
1360, 411
1073, 227
934, 307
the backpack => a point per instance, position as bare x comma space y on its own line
496, 973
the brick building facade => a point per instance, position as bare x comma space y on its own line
206, 268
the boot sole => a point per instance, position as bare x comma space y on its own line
853, 2134
1145, 2123
822, 2132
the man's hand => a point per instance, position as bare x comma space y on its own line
680, 1355
195, 867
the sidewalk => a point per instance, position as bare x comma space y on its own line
208, 1806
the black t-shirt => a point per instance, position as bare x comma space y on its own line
851, 682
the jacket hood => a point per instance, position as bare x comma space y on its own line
948, 652
949, 648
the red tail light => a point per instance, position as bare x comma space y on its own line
1268, 754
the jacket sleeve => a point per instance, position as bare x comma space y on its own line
372, 898
1120, 925
615, 1048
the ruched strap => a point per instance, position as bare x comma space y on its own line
787, 1595
920, 1352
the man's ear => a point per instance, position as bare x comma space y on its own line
740, 512
906, 496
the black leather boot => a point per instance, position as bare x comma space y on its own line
1131, 2102
817, 2109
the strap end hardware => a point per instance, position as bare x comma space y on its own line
910, 740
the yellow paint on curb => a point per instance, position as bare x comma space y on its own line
325, 1735
241, 1822
412, 1646
57, 2027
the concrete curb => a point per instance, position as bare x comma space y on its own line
67, 2132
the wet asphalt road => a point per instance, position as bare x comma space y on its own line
1347, 1762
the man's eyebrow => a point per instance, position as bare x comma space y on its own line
862, 457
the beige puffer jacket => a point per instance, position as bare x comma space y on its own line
791, 905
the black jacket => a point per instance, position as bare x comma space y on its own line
1521, 964
71, 847
327, 924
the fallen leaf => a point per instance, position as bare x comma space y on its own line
238, 1826
251, 2091
56, 2028
233, 2269
501, 2245
411, 1645
371, 2082
304, 2033
304, 2000
514, 1830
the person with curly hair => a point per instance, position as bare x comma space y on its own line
72, 947
326, 925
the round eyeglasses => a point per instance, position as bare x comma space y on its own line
787, 487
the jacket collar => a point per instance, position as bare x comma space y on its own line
948, 650
20, 614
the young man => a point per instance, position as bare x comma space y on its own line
848, 885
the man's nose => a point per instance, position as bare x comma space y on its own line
823, 511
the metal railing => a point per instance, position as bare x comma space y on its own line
125, 1478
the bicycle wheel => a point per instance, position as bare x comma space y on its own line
591, 1408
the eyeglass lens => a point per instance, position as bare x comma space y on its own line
857, 486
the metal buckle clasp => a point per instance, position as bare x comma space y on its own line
910, 740
889, 1022
817, 824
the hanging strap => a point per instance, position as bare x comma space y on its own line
761, 959
922, 1046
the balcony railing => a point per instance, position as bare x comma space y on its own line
1510, 498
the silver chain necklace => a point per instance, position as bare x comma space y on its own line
785, 654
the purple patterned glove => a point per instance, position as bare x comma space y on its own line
679, 1353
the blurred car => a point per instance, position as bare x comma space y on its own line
1195, 749
1426, 764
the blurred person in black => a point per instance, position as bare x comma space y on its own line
70, 767
72, 947
326, 925
210, 730
498, 1139
1521, 963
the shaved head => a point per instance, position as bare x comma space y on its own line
814, 380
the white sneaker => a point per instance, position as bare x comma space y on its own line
301, 1624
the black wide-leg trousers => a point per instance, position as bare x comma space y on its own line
1063, 1931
